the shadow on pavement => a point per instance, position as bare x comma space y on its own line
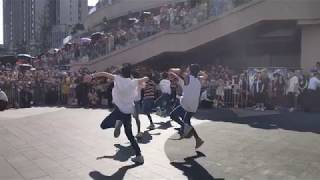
164, 125
192, 169
147, 137
296, 121
119, 175
123, 154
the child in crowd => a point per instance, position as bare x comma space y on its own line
148, 100
164, 100
220, 93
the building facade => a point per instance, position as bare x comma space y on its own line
22, 24
68, 13
30, 26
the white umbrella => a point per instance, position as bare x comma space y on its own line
85, 40
24, 56
53, 50
147, 13
133, 20
67, 39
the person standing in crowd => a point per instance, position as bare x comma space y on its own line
148, 99
189, 101
244, 89
317, 67
147, 104
65, 90
173, 86
293, 91
164, 100
110, 85
278, 89
26, 96
258, 92
3, 100
312, 96
235, 91
220, 93
93, 98
303, 86
123, 93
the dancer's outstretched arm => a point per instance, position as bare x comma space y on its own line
103, 74
181, 81
174, 72
203, 75
141, 81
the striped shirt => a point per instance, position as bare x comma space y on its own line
174, 82
149, 89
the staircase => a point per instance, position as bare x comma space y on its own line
210, 30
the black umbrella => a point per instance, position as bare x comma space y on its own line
97, 35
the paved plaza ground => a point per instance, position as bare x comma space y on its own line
59, 143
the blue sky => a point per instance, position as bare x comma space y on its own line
1, 23
90, 3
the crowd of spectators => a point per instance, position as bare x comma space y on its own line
263, 89
224, 87
134, 27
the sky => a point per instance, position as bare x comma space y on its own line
1, 23
90, 3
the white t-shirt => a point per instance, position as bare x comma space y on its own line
138, 94
165, 86
191, 94
124, 93
3, 96
293, 84
314, 83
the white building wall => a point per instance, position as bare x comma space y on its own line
310, 43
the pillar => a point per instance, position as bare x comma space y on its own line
310, 46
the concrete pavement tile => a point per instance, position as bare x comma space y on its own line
46, 163
8, 172
33, 154
70, 147
42, 178
31, 172
19, 162
70, 164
